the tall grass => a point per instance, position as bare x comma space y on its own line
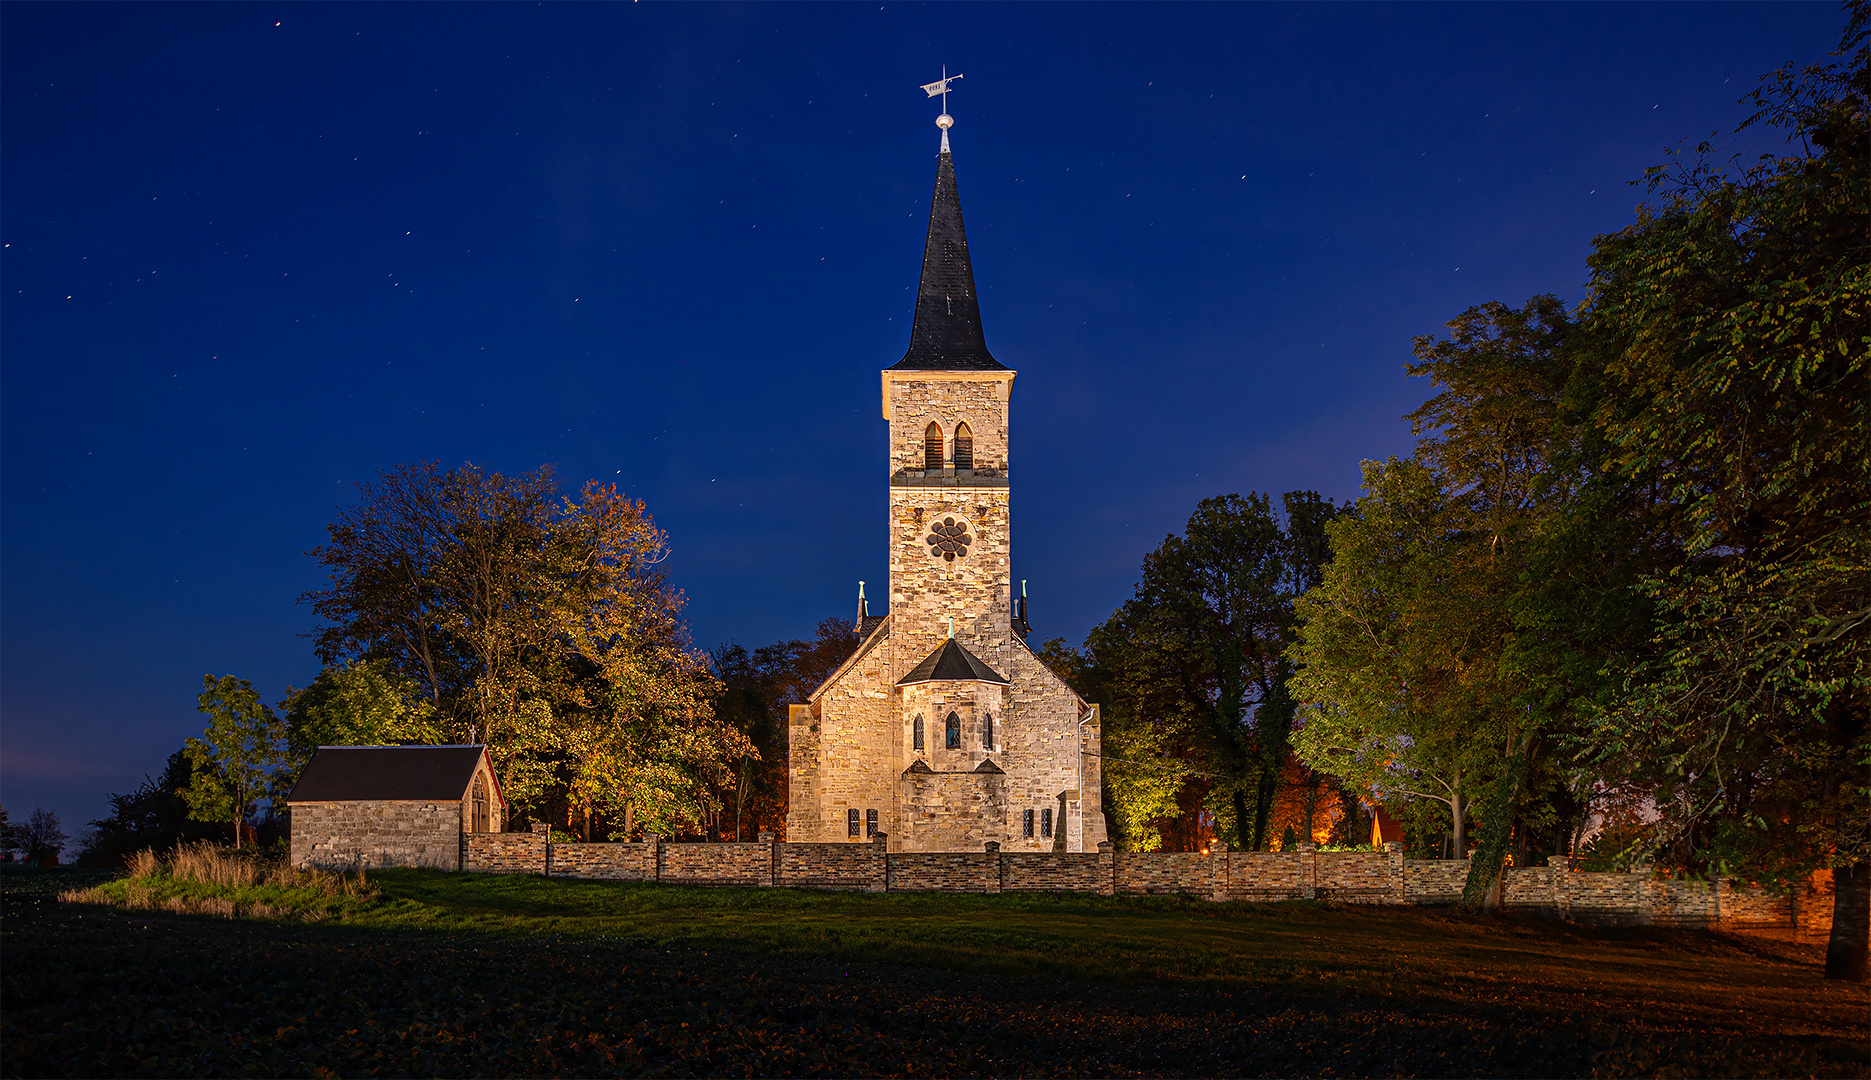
206, 879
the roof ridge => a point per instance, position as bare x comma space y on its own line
952, 662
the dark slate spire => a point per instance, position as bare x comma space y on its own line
946, 335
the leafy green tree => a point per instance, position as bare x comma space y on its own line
1191, 673
1392, 664
361, 703
239, 755
1425, 670
1733, 319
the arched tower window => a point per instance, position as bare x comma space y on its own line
964, 447
954, 732
917, 728
987, 731
932, 446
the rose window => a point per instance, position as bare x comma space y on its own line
948, 539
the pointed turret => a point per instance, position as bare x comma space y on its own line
946, 335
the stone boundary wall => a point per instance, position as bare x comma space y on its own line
611, 862
503, 853
1370, 877
1035, 871
944, 871
715, 864
1184, 872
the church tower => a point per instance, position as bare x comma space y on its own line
947, 402
943, 731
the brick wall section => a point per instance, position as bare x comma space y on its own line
1036, 872
1434, 881
1263, 875
831, 866
504, 853
1750, 907
377, 834
1361, 877
716, 864
944, 871
612, 862
1165, 872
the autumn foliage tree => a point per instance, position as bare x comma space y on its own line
537, 622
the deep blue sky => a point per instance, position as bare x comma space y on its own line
256, 252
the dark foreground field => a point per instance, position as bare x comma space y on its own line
447, 975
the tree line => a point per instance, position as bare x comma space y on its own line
1622, 578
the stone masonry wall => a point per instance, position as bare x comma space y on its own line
614, 862
1357, 876
504, 853
1164, 872
1353, 877
1265, 875
716, 864
1093, 872
943, 871
831, 866
341, 836
1434, 881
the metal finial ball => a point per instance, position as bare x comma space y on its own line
945, 121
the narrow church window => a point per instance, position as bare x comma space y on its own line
964, 447
987, 731
918, 730
1029, 825
478, 819
1045, 822
954, 732
932, 446
851, 823
870, 823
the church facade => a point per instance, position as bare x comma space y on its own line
943, 731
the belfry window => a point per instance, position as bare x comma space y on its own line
917, 731
954, 732
851, 823
932, 446
987, 731
964, 447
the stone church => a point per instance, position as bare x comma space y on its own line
943, 731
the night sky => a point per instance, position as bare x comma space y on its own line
255, 253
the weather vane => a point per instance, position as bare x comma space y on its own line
940, 86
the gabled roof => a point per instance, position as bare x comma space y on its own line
946, 334
874, 632
370, 773
951, 663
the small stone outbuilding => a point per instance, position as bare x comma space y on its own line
379, 806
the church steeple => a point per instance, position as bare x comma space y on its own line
946, 335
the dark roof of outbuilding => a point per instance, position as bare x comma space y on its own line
367, 773
946, 333
951, 663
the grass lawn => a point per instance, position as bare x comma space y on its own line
447, 974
